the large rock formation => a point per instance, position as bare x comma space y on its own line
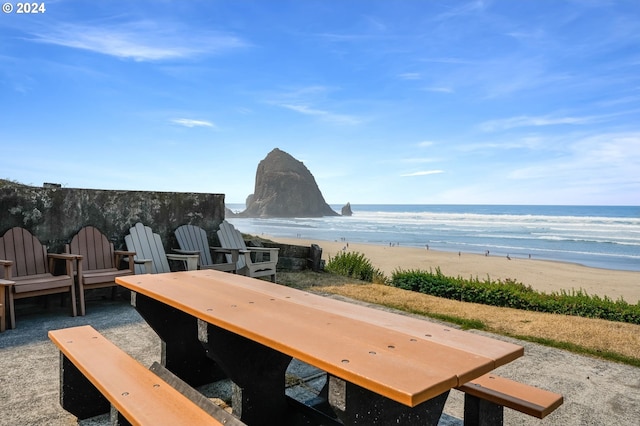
285, 188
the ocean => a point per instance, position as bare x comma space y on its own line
598, 236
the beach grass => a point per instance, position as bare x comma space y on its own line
613, 341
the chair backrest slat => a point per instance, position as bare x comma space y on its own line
147, 245
193, 238
25, 250
231, 238
95, 248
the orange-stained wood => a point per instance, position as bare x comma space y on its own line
518, 396
406, 359
137, 393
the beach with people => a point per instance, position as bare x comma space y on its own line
542, 275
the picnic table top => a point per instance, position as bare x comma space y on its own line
406, 359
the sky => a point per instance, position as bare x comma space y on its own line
384, 101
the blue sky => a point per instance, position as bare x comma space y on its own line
408, 101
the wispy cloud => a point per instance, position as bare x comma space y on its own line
462, 10
423, 173
410, 76
528, 121
140, 41
438, 89
424, 144
419, 160
325, 115
187, 122
598, 160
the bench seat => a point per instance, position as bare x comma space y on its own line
490, 393
97, 375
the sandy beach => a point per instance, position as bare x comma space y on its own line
542, 275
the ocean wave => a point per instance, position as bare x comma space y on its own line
581, 237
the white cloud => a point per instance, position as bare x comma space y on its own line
439, 89
410, 76
423, 173
187, 122
528, 121
325, 115
602, 166
419, 160
140, 41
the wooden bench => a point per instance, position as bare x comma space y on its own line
98, 377
486, 396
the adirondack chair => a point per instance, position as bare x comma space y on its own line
251, 260
150, 256
98, 264
28, 270
194, 239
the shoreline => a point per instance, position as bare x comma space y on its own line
543, 275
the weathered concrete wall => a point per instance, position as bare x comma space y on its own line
55, 214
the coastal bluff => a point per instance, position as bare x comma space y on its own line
285, 188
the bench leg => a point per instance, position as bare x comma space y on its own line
77, 394
257, 371
480, 412
182, 352
355, 405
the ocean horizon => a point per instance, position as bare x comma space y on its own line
598, 236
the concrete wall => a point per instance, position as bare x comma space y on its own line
55, 214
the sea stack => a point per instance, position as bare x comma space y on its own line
285, 188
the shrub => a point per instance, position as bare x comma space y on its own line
512, 294
355, 265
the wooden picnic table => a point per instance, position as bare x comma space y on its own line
381, 366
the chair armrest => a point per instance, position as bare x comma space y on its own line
69, 258
6, 282
187, 252
264, 249
125, 255
223, 250
190, 260
272, 251
65, 256
172, 256
146, 262
7, 264
235, 253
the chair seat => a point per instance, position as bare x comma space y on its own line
40, 282
99, 276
